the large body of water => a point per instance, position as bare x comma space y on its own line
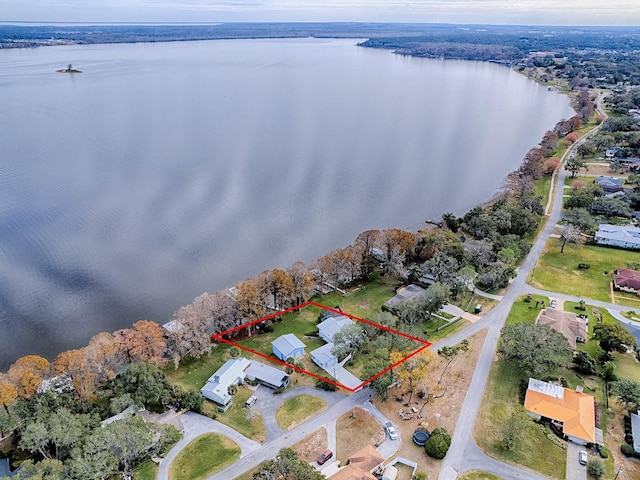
166, 170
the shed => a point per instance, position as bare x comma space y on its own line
390, 473
288, 346
267, 375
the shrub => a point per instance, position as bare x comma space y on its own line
584, 266
604, 453
628, 438
326, 386
438, 444
627, 450
595, 467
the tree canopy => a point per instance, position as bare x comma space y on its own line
534, 348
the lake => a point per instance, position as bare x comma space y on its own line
166, 170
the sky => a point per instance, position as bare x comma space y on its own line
522, 12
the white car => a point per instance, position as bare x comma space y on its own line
391, 430
582, 457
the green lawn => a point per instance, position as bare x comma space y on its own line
237, 417
204, 456
477, 475
298, 409
534, 450
147, 471
559, 272
543, 186
194, 372
526, 312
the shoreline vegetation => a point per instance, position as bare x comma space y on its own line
482, 248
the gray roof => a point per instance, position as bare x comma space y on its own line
620, 233
405, 293
333, 325
288, 343
5, 471
635, 431
323, 353
609, 181
265, 373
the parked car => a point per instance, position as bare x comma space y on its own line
391, 430
250, 401
582, 457
324, 456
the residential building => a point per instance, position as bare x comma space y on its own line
231, 373
361, 465
609, 184
234, 372
332, 325
624, 236
267, 375
635, 431
572, 411
574, 329
323, 356
404, 293
627, 280
288, 346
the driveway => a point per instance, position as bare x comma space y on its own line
575, 471
196, 425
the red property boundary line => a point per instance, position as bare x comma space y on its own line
219, 337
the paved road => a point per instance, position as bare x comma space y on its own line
196, 425
464, 454
268, 450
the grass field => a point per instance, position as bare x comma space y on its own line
204, 456
526, 312
147, 471
533, 450
476, 475
559, 272
298, 409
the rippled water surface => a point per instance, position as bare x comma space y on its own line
165, 170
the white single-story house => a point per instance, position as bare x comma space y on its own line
288, 346
624, 236
635, 431
233, 372
332, 325
323, 357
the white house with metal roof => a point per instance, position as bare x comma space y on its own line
624, 236
233, 372
332, 325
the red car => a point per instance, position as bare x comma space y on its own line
326, 455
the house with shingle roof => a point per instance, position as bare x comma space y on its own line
574, 329
361, 465
404, 293
609, 184
571, 410
627, 280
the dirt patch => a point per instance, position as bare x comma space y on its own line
613, 439
439, 412
309, 448
596, 169
355, 430
363, 305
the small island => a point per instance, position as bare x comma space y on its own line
69, 69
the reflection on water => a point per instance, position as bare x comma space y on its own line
166, 170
